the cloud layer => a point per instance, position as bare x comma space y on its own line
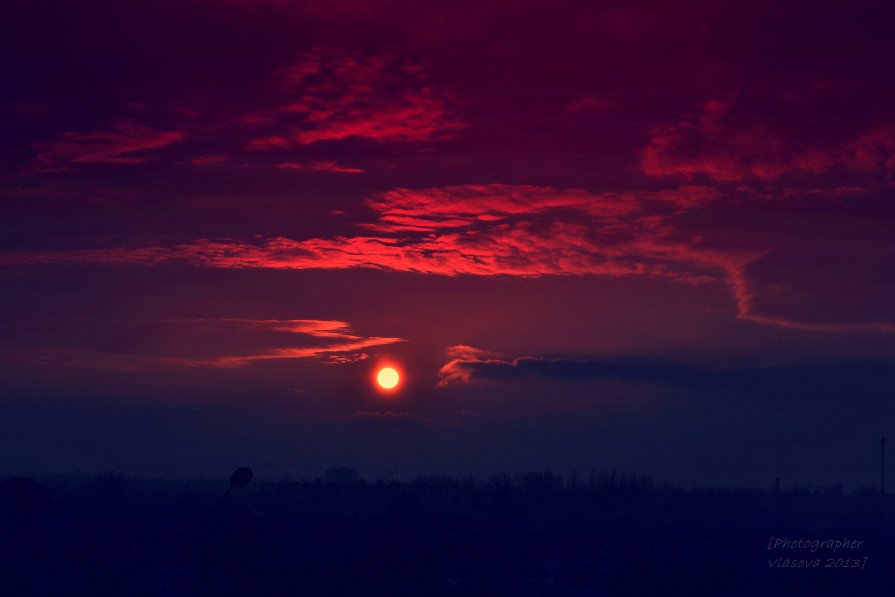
520, 231
497, 229
829, 129
214, 343
334, 96
473, 366
123, 142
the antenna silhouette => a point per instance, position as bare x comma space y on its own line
882, 465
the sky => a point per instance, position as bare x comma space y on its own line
654, 236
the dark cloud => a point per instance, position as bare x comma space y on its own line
124, 142
473, 366
829, 128
840, 375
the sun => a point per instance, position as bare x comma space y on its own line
388, 378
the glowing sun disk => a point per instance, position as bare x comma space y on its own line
388, 378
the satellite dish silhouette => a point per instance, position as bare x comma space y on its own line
241, 477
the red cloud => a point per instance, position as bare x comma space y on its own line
466, 352
589, 103
120, 144
321, 166
209, 160
461, 206
267, 143
509, 230
204, 342
457, 370
337, 96
475, 229
412, 118
736, 140
747, 292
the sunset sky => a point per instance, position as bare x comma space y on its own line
656, 236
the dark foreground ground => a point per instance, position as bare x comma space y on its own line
605, 534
